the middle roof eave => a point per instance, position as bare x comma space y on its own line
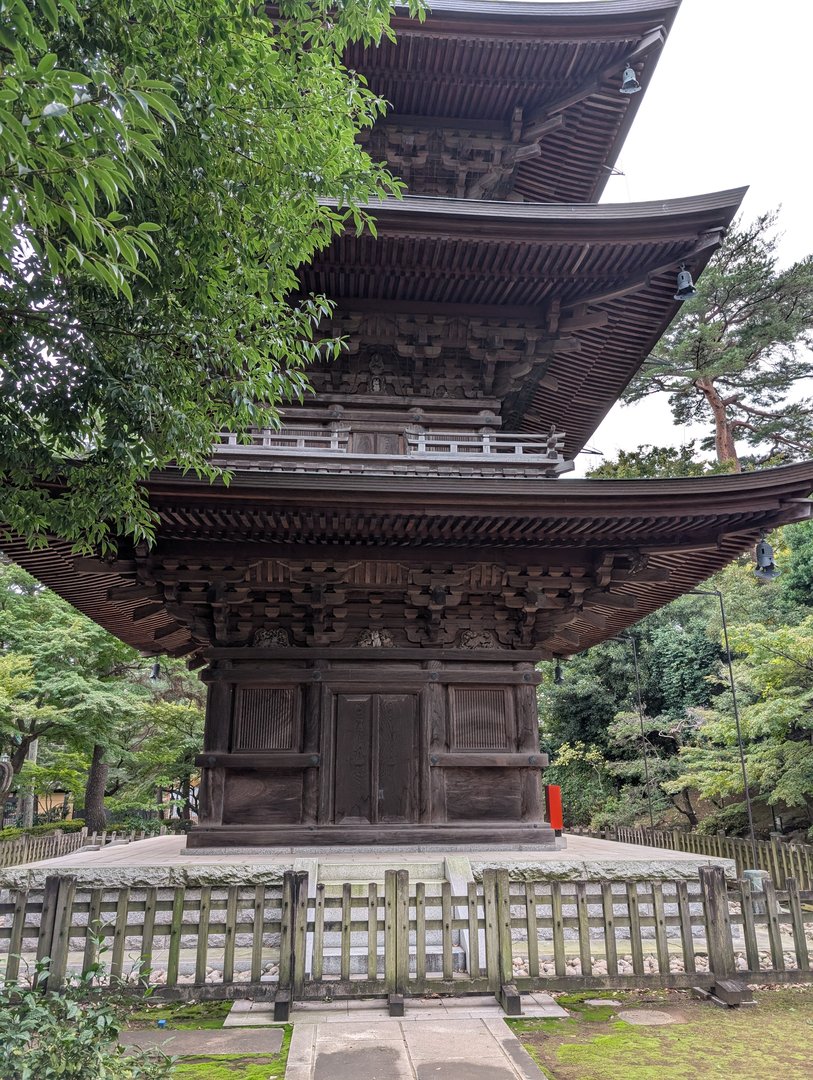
537, 265
423, 215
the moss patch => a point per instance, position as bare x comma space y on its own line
236, 1066
229, 1067
773, 1041
180, 1015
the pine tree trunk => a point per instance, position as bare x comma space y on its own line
724, 441
95, 814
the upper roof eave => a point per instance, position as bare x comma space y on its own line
726, 203
538, 10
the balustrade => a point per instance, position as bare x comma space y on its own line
471, 450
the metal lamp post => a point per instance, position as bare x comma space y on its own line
631, 641
719, 595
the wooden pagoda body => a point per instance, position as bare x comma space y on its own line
372, 591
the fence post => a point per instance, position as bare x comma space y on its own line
282, 998
718, 924
61, 933
396, 938
54, 931
508, 995
396, 1002
299, 937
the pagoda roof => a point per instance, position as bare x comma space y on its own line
675, 533
543, 73
594, 284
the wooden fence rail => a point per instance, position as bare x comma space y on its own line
35, 848
776, 857
289, 942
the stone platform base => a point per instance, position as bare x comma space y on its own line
536, 835
163, 861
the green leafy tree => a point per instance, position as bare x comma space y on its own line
797, 583
108, 733
168, 167
735, 355
774, 673
650, 461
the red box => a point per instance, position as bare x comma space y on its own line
553, 802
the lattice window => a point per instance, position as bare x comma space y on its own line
265, 719
480, 719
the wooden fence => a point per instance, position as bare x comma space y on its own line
502, 937
779, 859
34, 848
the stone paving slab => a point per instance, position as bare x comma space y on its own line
417, 1010
207, 1041
444, 1048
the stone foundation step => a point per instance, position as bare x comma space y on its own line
362, 872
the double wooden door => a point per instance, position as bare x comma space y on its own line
376, 752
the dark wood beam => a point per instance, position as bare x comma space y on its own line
539, 117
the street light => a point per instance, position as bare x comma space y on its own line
719, 595
631, 641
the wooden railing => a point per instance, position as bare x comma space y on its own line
776, 857
472, 449
497, 936
484, 443
35, 848
333, 439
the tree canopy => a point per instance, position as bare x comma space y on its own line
166, 168
688, 748
736, 354
87, 698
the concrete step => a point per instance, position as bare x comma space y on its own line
362, 872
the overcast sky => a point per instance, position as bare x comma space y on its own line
729, 104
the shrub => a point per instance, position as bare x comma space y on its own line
73, 825
71, 1036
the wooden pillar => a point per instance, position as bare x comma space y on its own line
216, 733
435, 697
528, 743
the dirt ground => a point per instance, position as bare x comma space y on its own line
690, 1040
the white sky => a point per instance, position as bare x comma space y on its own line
729, 104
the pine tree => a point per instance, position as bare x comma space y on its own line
736, 354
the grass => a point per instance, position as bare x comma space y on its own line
773, 1041
181, 1015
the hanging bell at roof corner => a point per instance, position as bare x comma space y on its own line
765, 569
685, 285
629, 81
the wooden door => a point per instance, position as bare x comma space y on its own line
376, 758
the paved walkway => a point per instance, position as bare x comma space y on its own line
401, 1050
169, 851
449, 1039
413, 1048
437, 1039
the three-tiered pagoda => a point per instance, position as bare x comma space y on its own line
370, 594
